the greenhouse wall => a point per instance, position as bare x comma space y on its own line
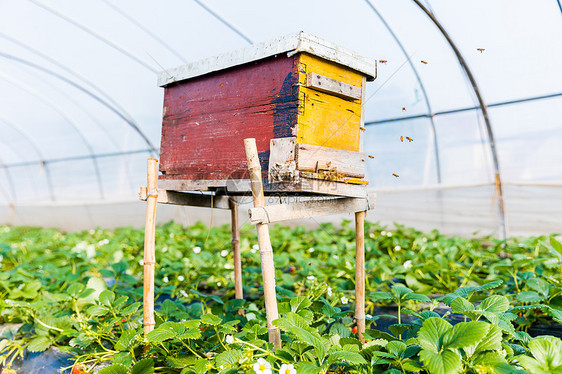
466, 211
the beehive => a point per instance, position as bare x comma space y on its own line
299, 96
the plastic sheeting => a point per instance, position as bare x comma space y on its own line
467, 211
80, 110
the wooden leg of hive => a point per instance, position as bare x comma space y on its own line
266, 252
149, 251
238, 290
360, 273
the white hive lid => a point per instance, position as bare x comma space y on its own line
290, 44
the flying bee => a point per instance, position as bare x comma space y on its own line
383, 61
424, 62
371, 156
480, 50
409, 139
396, 175
402, 139
403, 108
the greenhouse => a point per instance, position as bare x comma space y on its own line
211, 186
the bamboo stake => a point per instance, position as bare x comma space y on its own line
238, 290
360, 273
266, 252
149, 255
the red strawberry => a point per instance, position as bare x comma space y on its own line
78, 369
354, 330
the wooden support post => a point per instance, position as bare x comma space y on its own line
238, 289
149, 255
360, 273
266, 252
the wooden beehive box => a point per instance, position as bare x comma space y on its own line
299, 96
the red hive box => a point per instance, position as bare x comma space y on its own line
300, 97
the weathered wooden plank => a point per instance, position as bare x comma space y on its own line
318, 186
310, 208
232, 185
304, 185
339, 161
206, 119
333, 86
189, 199
326, 175
282, 166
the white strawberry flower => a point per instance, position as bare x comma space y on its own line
229, 339
91, 251
311, 277
329, 291
224, 253
344, 300
262, 367
196, 249
81, 245
165, 280
181, 278
310, 250
287, 369
397, 248
408, 264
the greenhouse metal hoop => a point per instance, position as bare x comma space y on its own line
483, 109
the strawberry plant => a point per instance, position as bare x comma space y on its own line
460, 304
